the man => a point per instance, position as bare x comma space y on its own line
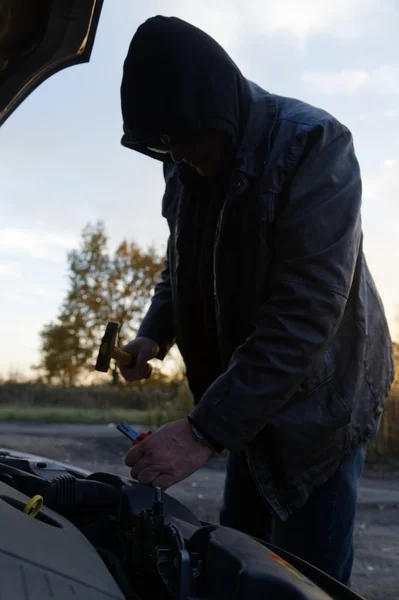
265, 290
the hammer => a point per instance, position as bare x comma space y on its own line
109, 350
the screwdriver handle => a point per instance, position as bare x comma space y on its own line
141, 438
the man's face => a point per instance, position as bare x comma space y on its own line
205, 151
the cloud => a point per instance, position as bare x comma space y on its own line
36, 291
384, 184
390, 113
232, 22
341, 18
381, 230
348, 82
9, 269
390, 162
36, 243
222, 20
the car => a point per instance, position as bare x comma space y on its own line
38, 39
68, 533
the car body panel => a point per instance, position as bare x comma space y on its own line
38, 39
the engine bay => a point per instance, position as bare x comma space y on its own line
105, 536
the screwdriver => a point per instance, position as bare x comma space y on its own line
131, 433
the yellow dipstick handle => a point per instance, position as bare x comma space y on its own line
33, 507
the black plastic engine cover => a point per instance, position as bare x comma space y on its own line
136, 497
238, 568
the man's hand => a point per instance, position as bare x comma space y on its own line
143, 350
167, 456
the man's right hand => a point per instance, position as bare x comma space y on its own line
142, 349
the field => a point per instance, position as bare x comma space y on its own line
150, 405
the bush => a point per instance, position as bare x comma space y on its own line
176, 408
138, 397
386, 444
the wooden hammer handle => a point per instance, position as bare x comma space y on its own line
123, 357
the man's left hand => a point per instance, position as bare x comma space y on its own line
167, 456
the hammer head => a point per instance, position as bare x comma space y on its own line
107, 345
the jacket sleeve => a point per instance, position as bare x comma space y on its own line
315, 244
158, 323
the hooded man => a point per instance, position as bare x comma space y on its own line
265, 290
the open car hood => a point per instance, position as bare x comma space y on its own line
101, 535
39, 38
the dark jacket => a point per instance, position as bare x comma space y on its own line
304, 342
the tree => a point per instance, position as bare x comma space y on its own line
102, 287
61, 354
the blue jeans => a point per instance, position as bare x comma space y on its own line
321, 533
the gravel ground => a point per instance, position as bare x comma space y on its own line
376, 568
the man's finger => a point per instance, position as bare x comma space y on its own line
144, 462
163, 481
137, 468
135, 454
132, 373
148, 475
140, 370
127, 374
141, 366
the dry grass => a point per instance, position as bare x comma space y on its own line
66, 414
136, 397
142, 404
151, 405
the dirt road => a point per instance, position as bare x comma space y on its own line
376, 569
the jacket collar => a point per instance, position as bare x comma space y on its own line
254, 149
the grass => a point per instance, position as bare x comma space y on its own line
84, 397
66, 414
150, 406
144, 405
152, 415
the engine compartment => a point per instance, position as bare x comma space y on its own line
105, 536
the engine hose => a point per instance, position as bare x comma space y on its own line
61, 493
66, 492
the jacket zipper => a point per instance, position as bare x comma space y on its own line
216, 299
229, 199
238, 184
176, 266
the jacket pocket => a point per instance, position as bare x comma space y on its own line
321, 373
309, 430
319, 411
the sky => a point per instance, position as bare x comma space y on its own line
62, 165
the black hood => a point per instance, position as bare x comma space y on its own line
177, 78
